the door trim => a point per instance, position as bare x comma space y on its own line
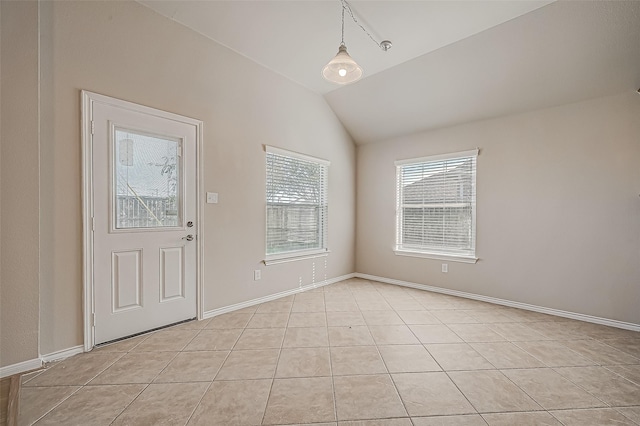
88, 99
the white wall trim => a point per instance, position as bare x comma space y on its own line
519, 305
34, 364
87, 223
294, 257
439, 157
437, 256
242, 305
88, 99
10, 370
200, 197
298, 155
64, 353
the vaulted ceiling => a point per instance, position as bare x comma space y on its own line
451, 62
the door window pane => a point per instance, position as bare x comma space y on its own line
146, 180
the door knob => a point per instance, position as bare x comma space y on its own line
188, 237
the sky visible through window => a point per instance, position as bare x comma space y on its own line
145, 165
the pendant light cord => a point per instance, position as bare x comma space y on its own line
342, 24
346, 6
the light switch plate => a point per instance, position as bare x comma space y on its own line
212, 197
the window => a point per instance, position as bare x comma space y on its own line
297, 205
147, 178
436, 207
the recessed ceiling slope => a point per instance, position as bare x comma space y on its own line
297, 38
562, 53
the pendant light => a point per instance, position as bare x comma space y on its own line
342, 69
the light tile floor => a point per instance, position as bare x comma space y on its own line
352, 353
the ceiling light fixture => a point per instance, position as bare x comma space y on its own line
342, 69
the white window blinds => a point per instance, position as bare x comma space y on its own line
436, 205
297, 203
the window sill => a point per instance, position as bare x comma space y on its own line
437, 256
293, 257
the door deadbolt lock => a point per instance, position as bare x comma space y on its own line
189, 224
188, 237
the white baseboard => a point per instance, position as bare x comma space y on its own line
242, 305
65, 353
34, 364
494, 300
20, 367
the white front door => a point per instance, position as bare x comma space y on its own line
144, 212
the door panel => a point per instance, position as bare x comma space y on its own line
144, 192
171, 273
126, 280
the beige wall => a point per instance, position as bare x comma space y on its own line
558, 212
19, 182
127, 51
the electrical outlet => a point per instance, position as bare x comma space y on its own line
257, 274
445, 267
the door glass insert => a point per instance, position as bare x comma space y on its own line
146, 180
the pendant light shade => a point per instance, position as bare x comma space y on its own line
342, 69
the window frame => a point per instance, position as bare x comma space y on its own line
113, 178
300, 254
465, 256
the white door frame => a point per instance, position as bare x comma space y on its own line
88, 100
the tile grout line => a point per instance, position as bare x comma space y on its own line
452, 381
441, 367
393, 382
129, 404
333, 384
56, 406
195, 408
197, 404
147, 384
80, 387
275, 369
